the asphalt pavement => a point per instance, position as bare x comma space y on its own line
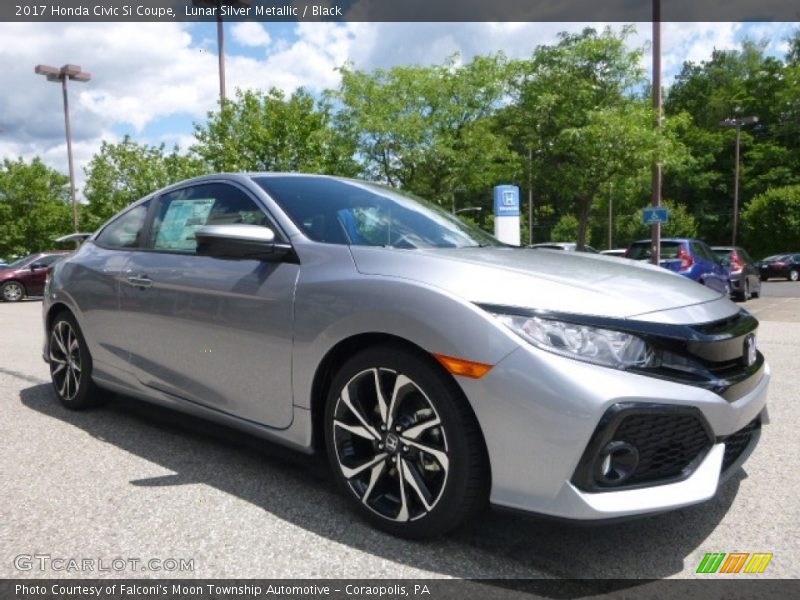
151, 489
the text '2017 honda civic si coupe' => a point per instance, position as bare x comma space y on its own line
438, 369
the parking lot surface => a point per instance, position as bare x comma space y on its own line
133, 481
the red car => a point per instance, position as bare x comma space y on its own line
26, 276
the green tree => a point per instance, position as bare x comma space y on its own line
124, 172
735, 83
431, 130
576, 109
259, 131
566, 230
771, 222
34, 207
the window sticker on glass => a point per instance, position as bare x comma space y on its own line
182, 219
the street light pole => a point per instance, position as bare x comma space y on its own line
737, 123
217, 5
63, 74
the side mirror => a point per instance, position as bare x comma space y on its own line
37, 265
241, 241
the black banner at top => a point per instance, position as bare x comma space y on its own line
627, 11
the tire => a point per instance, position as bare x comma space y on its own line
745, 294
71, 365
12, 291
794, 275
415, 467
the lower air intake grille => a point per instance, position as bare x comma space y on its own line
667, 444
736, 443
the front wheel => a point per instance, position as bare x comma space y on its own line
71, 365
13, 291
404, 444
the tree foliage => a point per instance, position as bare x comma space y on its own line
430, 130
577, 110
771, 222
735, 83
124, 172
34, 207
269, 131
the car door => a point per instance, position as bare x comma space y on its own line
34, 282
212, 331
95, 279
715, 275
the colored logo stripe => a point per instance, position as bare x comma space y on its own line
758, 562
713, 562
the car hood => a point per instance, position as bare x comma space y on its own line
554, 280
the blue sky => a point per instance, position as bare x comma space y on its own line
154, 80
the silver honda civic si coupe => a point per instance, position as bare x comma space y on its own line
437, 368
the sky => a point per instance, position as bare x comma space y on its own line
152, 81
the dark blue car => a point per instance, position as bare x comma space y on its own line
689, 257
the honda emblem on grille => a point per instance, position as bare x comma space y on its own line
750, 350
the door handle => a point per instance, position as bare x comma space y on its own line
141, 282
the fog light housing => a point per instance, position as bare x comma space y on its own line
616, 462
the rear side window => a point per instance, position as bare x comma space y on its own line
182, 212
641, 251
126, 230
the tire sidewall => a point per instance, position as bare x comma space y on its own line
7, 285
86, 390
444, 395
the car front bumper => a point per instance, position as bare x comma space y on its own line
539, 412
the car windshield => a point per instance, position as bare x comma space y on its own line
366, 214
20, 262
641, 250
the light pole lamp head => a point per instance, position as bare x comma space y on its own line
68, 71
47, 71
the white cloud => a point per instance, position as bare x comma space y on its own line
251, 33
143, 72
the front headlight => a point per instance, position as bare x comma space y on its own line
604, 347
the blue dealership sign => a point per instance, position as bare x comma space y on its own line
655, 215
506, 201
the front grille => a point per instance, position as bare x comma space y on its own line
737, 442
651, 443
667, 444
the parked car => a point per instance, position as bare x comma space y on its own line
568, 246
780, 265
437, 368
618, 252
26, 276
688, 257
744, 275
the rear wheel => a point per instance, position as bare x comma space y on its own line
403, 443
12, 291
744, 295
794, 275
71, 365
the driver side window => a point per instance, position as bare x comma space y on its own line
182, 212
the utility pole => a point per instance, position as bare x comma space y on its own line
530, 196
655, 231
217, 4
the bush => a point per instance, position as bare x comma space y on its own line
771, 222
